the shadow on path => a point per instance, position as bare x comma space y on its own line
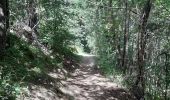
86, 83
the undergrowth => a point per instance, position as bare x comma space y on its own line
21, 63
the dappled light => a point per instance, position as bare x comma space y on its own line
84, 83
87, 83
84, 50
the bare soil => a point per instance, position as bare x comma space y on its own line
85, 82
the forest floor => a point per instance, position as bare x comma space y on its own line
85, 82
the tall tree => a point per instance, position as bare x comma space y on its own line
33, 17
142, 38
4, 24
124, 58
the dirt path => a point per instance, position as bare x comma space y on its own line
84, 83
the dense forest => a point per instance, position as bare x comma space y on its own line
47, 46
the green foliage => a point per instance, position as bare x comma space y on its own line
109, 28
100, 28
54, 31
23, 61
16, 67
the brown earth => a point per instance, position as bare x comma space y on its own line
83, 83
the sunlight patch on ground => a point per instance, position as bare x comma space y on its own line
84, 83
36, 92
85, 54
117, 79
81, 52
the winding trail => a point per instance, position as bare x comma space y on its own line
84, 83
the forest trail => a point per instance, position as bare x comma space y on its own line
84, 83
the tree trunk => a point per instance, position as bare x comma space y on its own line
33, 19
4, 24
166, 76
124, 58
140, 82
31, 10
